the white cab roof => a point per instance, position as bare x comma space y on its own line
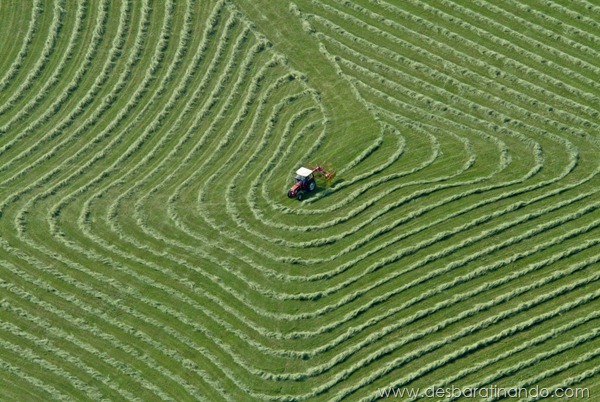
304, 172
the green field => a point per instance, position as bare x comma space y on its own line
149, 250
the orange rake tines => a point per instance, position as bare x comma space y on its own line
327, 173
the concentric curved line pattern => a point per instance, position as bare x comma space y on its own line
149, 250
524, 346
17, 141
49, 47
16, 63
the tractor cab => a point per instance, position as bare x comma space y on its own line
303, 175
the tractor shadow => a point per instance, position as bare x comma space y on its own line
320, 192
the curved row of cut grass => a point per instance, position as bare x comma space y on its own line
17, 62
56, 211
437, 50
22, 220
559, 331
149, 248
20, 141
45, 56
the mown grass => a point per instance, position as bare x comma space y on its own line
148, 246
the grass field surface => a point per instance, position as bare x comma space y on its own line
149, 250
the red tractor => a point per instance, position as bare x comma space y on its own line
305, 180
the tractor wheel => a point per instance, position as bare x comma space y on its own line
299, 196
312, 185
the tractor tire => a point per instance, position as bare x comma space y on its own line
299, 196
312, 185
